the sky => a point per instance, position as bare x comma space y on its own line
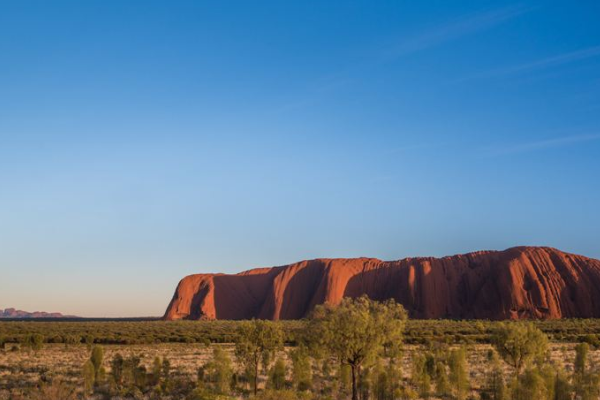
143, 141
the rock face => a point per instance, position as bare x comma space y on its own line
521, 282
13, 313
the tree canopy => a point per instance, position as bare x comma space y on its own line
357, 330
257, 343
519, 343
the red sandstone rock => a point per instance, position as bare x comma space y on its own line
521, 282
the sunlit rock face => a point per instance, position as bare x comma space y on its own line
520, 282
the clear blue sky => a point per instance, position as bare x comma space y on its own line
141, 141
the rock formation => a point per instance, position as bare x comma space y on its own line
521, 282
20, 314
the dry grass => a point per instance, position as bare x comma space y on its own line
22, 369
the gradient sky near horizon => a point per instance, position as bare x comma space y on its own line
142, 141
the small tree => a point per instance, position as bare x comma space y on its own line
93, 372
519, 343
89, 375
419, 377
301, 368
394, 375
562, 388
586, 383
96, 358
381, 382
459, 377
156, 372
442, 383
277, 375
166, 375
581, 354
357, 330
495, 387
257, 342
219, 371
134, 374
531, 385
116, 369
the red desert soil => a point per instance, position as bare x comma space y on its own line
520, 282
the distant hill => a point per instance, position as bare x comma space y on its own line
518, 283
11, 313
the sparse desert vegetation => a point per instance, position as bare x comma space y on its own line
360, 350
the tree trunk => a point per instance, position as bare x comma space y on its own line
354, 378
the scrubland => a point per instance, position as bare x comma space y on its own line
25, 369
378, 358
